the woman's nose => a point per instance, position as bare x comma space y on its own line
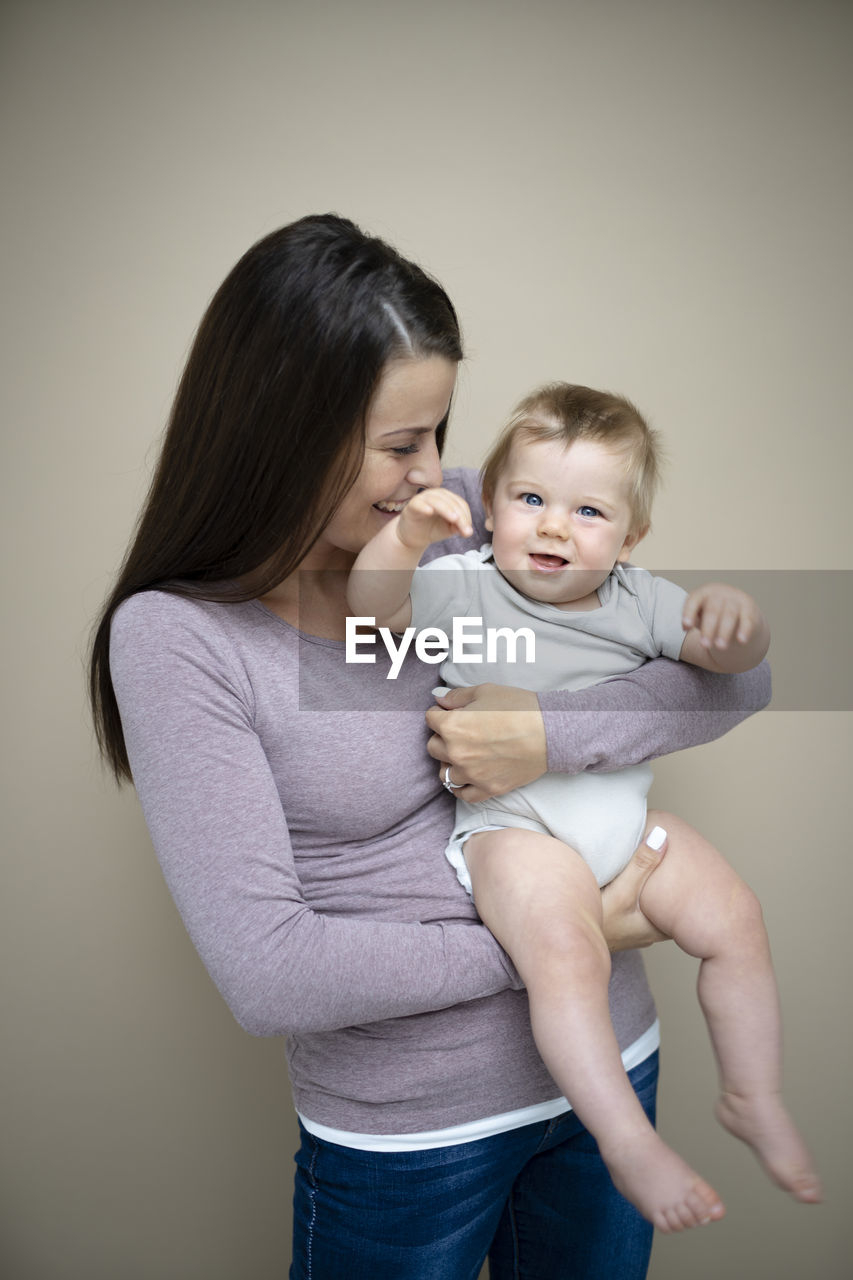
425, 470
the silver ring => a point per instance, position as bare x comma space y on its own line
451, 786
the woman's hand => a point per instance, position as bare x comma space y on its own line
625, 926
490, 753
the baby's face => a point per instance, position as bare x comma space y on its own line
560, 519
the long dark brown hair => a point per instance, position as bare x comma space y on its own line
271, 406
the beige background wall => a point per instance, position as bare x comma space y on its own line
651, 196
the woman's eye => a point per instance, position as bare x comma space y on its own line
589, 512
403, 450
531, 499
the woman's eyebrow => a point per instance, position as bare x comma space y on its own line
407, 431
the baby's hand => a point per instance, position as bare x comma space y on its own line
721, 614
430, 516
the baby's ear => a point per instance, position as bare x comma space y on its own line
487, 507
632, 540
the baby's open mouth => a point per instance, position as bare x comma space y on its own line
548, 563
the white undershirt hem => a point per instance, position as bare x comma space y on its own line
474, 1130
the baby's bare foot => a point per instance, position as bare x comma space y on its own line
763, 1122
660, 1184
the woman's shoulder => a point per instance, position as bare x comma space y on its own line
164, 611
465, 481
168, 622
165, 645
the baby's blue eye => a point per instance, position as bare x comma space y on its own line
588, 512
531, 499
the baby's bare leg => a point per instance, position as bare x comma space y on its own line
543, 904
699, 900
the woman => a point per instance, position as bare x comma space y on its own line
297, 816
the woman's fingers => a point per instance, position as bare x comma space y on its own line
499, 748
650, 853
625, 925
448, 698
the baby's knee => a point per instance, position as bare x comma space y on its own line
745, 915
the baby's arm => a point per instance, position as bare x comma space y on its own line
726, 630
381, 579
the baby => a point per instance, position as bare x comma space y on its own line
567, 490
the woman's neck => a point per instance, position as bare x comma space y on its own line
314, 598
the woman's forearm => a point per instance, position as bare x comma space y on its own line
663, 706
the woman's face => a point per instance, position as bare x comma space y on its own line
400, 455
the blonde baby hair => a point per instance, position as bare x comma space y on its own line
564, 412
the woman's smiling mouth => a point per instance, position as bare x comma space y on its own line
390, 508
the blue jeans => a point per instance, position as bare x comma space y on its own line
538, 1201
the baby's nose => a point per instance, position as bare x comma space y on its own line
554, 524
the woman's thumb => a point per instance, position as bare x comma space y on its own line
651, 851
452, 698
